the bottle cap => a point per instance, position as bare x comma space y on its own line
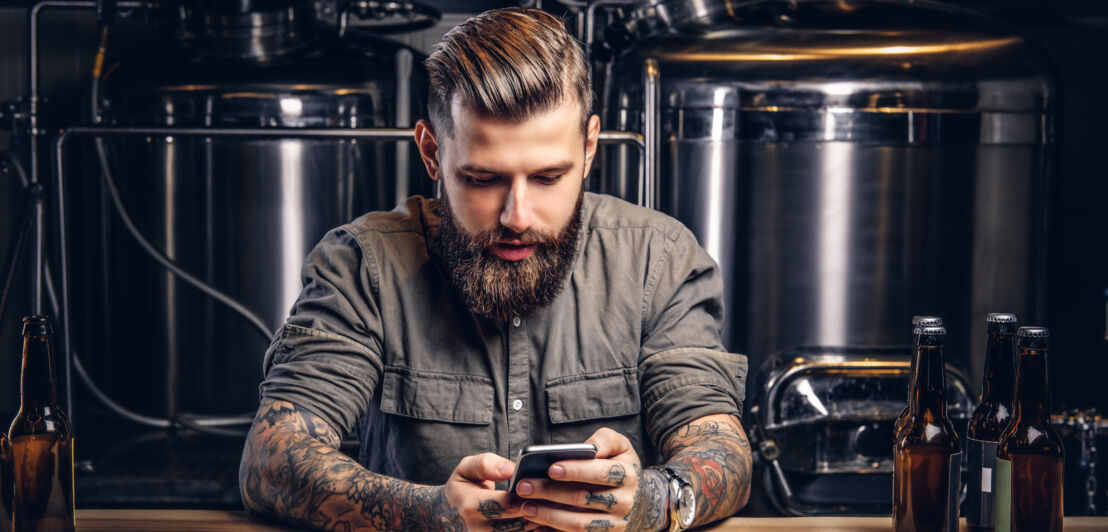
1033, 332
37, 326
998, 317
931, 330
927, 321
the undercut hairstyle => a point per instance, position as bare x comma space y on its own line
508, 64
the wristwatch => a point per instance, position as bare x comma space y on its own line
682, 500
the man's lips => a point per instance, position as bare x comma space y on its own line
514, 251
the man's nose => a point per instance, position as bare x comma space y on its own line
517, 215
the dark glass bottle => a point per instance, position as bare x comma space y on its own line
41, 442
927, 458
7, 483
1029, 458
989, 420
917, 322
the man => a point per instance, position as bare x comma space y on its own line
516, 310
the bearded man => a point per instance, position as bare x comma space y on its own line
449, 334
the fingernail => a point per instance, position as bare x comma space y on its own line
524, 489
529, 509
506, 469
557, 471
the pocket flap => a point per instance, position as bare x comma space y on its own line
437, 397
594, 396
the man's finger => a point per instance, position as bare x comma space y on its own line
569, 520
498, 506
598, 472
609, 443
486, 466
577, 495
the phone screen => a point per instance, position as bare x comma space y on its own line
533, 461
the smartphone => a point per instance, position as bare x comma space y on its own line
533, 461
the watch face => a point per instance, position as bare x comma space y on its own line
686, 507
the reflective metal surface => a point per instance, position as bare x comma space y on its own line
848, 165
829, 413
239, 213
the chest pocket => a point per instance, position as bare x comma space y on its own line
433, 421
579, 405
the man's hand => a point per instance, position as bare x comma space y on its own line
609, 493
471, 489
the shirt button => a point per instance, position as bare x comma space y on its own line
517, 404
515, 323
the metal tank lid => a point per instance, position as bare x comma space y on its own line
873, 55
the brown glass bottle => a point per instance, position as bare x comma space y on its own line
917, 322
41, 443
6, 487
989, 420
1029, 458
927, 458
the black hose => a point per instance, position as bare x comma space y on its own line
210, 424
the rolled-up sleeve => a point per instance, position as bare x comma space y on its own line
684, 372
326, 358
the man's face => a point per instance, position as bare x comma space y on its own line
512, 193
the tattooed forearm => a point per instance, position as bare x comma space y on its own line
714, 455
649, 508
292, 470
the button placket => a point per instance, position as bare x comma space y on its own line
519, 378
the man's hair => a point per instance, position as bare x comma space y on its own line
509, 64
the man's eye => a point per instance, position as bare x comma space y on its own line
480, 181
549, 179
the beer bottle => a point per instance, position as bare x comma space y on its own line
917, 322
989, 420
41, 443
6, 487
1029, 457
927, 458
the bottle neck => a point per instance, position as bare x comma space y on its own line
1000, 373
1032, 387
37, 383
928, 381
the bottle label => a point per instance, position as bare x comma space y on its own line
1002, 520
980, 482
953, 488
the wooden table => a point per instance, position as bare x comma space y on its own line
221, 521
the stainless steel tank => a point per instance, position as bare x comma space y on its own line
241, 214
848, 164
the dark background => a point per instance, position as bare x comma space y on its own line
1073, 32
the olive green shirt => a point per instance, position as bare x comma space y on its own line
379, 344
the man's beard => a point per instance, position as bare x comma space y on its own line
498, 289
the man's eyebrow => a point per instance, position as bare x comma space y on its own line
561, 167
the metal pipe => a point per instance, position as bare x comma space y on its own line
380, 134
652, 75
63, 257
590, 22
34, 131
404, 61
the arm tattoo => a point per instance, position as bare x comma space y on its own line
715, 457
648, 512
616, 475
607, 500
292, 470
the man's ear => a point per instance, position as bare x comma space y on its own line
428, 148
592, 136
